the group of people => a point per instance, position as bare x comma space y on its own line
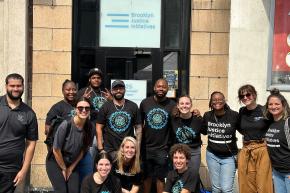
105, 143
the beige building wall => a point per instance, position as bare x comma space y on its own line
209, 57
13, 39
52, 29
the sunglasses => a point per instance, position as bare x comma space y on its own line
241, 96
80, 108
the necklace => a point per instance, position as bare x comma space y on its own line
119, 109
101, 94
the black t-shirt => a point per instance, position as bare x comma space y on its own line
221, 131
127, 179
175, 181
70, 144
253, 124
118, 123
62, 109
97, 101
157, 123
277, 146
16, 125
110, 185
187, 131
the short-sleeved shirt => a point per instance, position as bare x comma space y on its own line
187, 131
62, 109
127, 179
175, 181
157, 124
221, 131
69, 142
253, 124
278, 147
97, 100
118, 123
16, 126
110, 185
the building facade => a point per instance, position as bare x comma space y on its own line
229, 43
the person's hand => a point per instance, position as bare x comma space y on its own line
107, 94
68, 172
196, 112
19, 177
87, 93
64, 174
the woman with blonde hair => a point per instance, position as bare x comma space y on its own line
127, 165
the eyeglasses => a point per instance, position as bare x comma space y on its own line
80, 108
241, 96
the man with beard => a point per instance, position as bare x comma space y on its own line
116, 120
18, 135
155, 113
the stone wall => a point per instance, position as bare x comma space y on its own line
209, 57
52, 29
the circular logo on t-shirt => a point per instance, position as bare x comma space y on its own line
119, 121
98, 102
157, 118
177, 187
72, 113
185, 134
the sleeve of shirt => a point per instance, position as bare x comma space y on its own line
190, 181
52, 113
59, 138
169, 182
32, 128
101, 117
142, 114
138, 116
137, 179
204, 125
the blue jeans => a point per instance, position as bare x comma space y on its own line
222, 173
85, 166
281, 181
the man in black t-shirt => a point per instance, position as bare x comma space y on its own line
18, 135
116, 120
155, 113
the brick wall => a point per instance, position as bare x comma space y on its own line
52, 29
209, 56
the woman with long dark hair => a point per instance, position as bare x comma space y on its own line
278, 140
127, 165
102, 181
221, 124
254, 165
186, 129
71, 140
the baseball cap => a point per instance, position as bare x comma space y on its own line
94, 71
118, 83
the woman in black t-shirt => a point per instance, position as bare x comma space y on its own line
220, 124
102, 180
254, 167
278, 140
186, 129
181, 179
127, 165
63, 108
71, 140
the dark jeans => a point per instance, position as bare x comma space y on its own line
57, 180
6, 182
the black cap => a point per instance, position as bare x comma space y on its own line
118, 83
94, 71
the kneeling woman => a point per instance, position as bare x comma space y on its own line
102, 180
71, 140
180, 180
127, 165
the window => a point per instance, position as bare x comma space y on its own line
279, 52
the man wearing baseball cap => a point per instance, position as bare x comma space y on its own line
116, 120
97, 97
